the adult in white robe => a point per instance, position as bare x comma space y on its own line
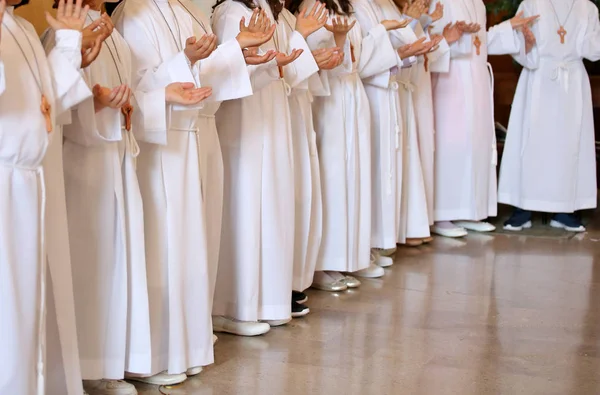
308, 218
254, 282
25, 74
549, 157
106, 228
465, 147
346, 154
180, 173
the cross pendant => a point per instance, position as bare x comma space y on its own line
352, 53
280, 71
127, 111
46, 108
477, 43
562, 33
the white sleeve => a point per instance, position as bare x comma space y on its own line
302, 68
502, 40
589, 46
527, 60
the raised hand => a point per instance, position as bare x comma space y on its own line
468, 27
309, 22
284, 60
424, 48
196, 50
90, 49
110, 98
452, 33
392, 24
252, 57
328, 58
436, 39
437, 13
259, 30
414, 9
69, 16
518, 21
412, 49
186, 93
530, 40
340, 26
259, 21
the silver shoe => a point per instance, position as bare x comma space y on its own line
351, 282
336, 286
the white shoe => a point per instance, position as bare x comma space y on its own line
196, 370
560, 225
240, 328
108, 387
447, 229
329, 281
351, 282
384, 261
373, 271
476, 226
162, 378
510, 227
274, 323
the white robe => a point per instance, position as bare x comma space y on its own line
423, 103
411, 208
343, 125
549, 161
465, 156
180, 172
26, 287
386, 127
308, 203
256, 263
106, 227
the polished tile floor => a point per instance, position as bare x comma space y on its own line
489, 314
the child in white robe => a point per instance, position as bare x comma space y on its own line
465, 153
180, 172
549, 160
343, 126
308, 200
35, 88
254, 283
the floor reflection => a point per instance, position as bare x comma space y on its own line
489, 314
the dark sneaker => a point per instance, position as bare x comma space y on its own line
299, 297
519, 220
569, 222
299, 310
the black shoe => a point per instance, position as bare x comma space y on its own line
299, 297
568, 222
299, 310
519, 220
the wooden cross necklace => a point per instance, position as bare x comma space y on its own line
476, 40
562, 32
45, 107
127, 109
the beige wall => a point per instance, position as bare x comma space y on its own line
34, 13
